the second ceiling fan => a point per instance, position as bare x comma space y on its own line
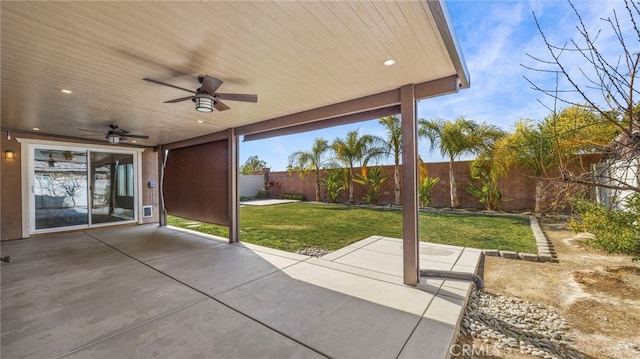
206, 97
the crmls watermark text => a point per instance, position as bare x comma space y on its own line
469, 350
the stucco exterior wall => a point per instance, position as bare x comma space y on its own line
10, 191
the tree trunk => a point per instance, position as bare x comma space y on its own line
539, 195
351, 185
317, 186
452, 187
396, 180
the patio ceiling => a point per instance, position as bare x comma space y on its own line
296, 56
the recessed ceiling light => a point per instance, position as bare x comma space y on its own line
200, 121
388, 62
36, 129
66, 91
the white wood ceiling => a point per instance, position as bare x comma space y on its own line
294, 55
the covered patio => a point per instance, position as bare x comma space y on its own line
93, 85
149, 291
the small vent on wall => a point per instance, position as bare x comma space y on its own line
147, 211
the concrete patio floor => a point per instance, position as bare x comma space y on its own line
147, 291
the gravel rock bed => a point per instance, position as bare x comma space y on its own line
313, 251
514, 325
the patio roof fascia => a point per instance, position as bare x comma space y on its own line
445, 27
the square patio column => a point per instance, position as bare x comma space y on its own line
409, 196
162, 215
234, 223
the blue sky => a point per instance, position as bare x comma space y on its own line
495, 37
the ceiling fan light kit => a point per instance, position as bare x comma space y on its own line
204, 103
206, 97
113, 138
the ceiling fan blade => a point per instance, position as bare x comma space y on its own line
220, 106
82, 129
166, 84
210, 84
137, 136
179, 99
237, 97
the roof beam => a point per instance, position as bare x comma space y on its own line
360, 109
383, 99
212, 137
334, 121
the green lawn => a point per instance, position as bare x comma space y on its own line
299, 225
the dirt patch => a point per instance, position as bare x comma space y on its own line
621, 282
597, 293
593, 316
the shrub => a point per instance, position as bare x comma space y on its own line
424, 190
614, 230
262, 194
333, 184
489, 194
372, 179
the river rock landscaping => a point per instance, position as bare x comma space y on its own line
511, 324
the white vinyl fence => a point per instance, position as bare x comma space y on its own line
249, 185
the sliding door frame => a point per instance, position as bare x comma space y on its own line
27, 148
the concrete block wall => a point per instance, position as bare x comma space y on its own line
517, 187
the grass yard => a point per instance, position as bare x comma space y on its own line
295, 226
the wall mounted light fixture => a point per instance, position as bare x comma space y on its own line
9, 154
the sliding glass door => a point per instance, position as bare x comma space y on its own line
60, 188
112, 187
75, 187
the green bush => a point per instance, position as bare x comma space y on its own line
424, 190
333, 184
489, 194
614, 230
296, 197
372, 180
262, 194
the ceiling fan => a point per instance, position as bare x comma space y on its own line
206, 97
54, 156
115, 134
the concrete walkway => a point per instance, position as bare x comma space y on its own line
267, 202
146, 291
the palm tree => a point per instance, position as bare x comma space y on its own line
354, 149
456, 138
312, 160
392, 146
532, 146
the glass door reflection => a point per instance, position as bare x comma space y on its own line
112, 187
60, 188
